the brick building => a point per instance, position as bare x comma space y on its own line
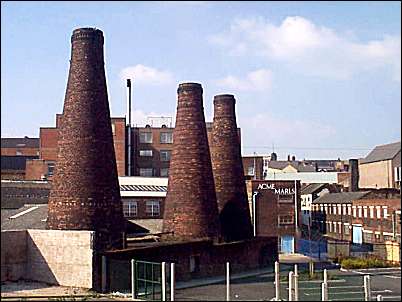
25, 146
13, 167
276, 211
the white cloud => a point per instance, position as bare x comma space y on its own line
141, 118
309, 48
146, 75
258, 80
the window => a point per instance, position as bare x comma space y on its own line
50, 169
194, 264
354, 211
18, 153
349, 209
365, 212
378, 212
368, 237
266, 162
334, 210
164, 172
152, 208
165, 155
146, 153
329, 209
130, 208
330, 226
146, 172
339, 209
250, 171
285, 219
346, 229
359, 211
371, 212
325, 209
344, 209
385, 212
321, 208
145, 137
334, 227
166, 137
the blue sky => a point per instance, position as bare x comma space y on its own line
314, 79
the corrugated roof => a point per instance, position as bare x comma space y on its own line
17, 162
343, 197
22, 142
382, 152
282, 164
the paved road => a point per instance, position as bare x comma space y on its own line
347, 286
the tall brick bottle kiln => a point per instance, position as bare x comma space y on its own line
227, 166
85, 193
191, 210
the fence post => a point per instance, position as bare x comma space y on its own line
277, 282
290, 286
324, 291
367, 288
133, 279
163, 269
296, 284
325, 276
172, 281
379, 298
311, 268
227, 281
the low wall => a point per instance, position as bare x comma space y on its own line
13, 255
209, 258
51, 256
389, 251
338, 249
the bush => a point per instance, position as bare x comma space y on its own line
359, 263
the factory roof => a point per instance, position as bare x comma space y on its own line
343, 197
382, 152
19, 142
311, 188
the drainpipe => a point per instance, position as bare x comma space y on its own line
254, 211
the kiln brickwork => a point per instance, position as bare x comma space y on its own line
85, 193
228, 173
191, 209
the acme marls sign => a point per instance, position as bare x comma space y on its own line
279, 191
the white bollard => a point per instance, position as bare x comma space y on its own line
132, 279
163, 281
296, 284
227, 282
325, 276
277, 282
290, 286
172, 282
367, 288
379, 298
324, 291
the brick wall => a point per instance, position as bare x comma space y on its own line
35, 169
13, 255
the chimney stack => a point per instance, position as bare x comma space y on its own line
293, 158
227, 167
191, 210
85, 193
354, 175
288, 157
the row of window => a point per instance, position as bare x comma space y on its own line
164, 172
130, 208
358, 211
285, 220
164, 138
164, 154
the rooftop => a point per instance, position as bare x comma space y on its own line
382, 152
343, 197
20, 142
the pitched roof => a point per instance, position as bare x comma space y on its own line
15, 142
343, 197
382, 152
16, 162
282, 164
311, 188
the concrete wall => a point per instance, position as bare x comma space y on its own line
13, 255
51, 256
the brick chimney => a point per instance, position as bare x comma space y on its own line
228, 171
354, 175
85, 193
191, 210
